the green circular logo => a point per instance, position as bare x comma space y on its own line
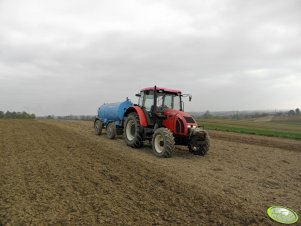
282, 214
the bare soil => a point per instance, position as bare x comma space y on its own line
60, 173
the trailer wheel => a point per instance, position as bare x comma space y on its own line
98, 127
200, 149
111, 130
163, 143
132, 128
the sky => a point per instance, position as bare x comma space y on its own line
61, 57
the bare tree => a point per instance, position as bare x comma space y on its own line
291, 113
207, 114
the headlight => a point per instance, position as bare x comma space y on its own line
191, 126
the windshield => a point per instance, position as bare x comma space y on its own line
168, 100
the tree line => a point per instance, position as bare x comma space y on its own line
16, 115
249, 115
69, 117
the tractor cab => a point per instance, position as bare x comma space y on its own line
154, 100
159, 103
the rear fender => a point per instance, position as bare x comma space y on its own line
140, 113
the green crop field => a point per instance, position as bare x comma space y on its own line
286, 128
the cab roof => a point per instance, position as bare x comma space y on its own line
164, 89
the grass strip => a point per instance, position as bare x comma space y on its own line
249, 130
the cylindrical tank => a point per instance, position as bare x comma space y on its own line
113, 111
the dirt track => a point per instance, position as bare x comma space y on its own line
59, 172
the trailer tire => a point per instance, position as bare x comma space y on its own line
98, 126
111, 130
163, 143
200, 149
132, 131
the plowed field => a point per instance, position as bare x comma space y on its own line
60, 173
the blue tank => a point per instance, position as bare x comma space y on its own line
113, 111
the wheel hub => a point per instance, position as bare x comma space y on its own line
159, 143
109, 130
130, 130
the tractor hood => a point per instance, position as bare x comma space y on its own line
183, 115
179, 122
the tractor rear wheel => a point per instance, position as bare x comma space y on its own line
163, 143
111, 130
199, 149
132, 128
98, 127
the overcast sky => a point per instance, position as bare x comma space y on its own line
68, 57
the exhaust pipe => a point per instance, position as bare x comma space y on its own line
155, 100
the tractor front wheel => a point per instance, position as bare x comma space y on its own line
98, 127
132, 134
199, 146
163, 143
111, 130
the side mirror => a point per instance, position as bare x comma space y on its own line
187, 95
138, 95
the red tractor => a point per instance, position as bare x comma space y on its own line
159, 118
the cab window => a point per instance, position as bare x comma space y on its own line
148, 100
168, 101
